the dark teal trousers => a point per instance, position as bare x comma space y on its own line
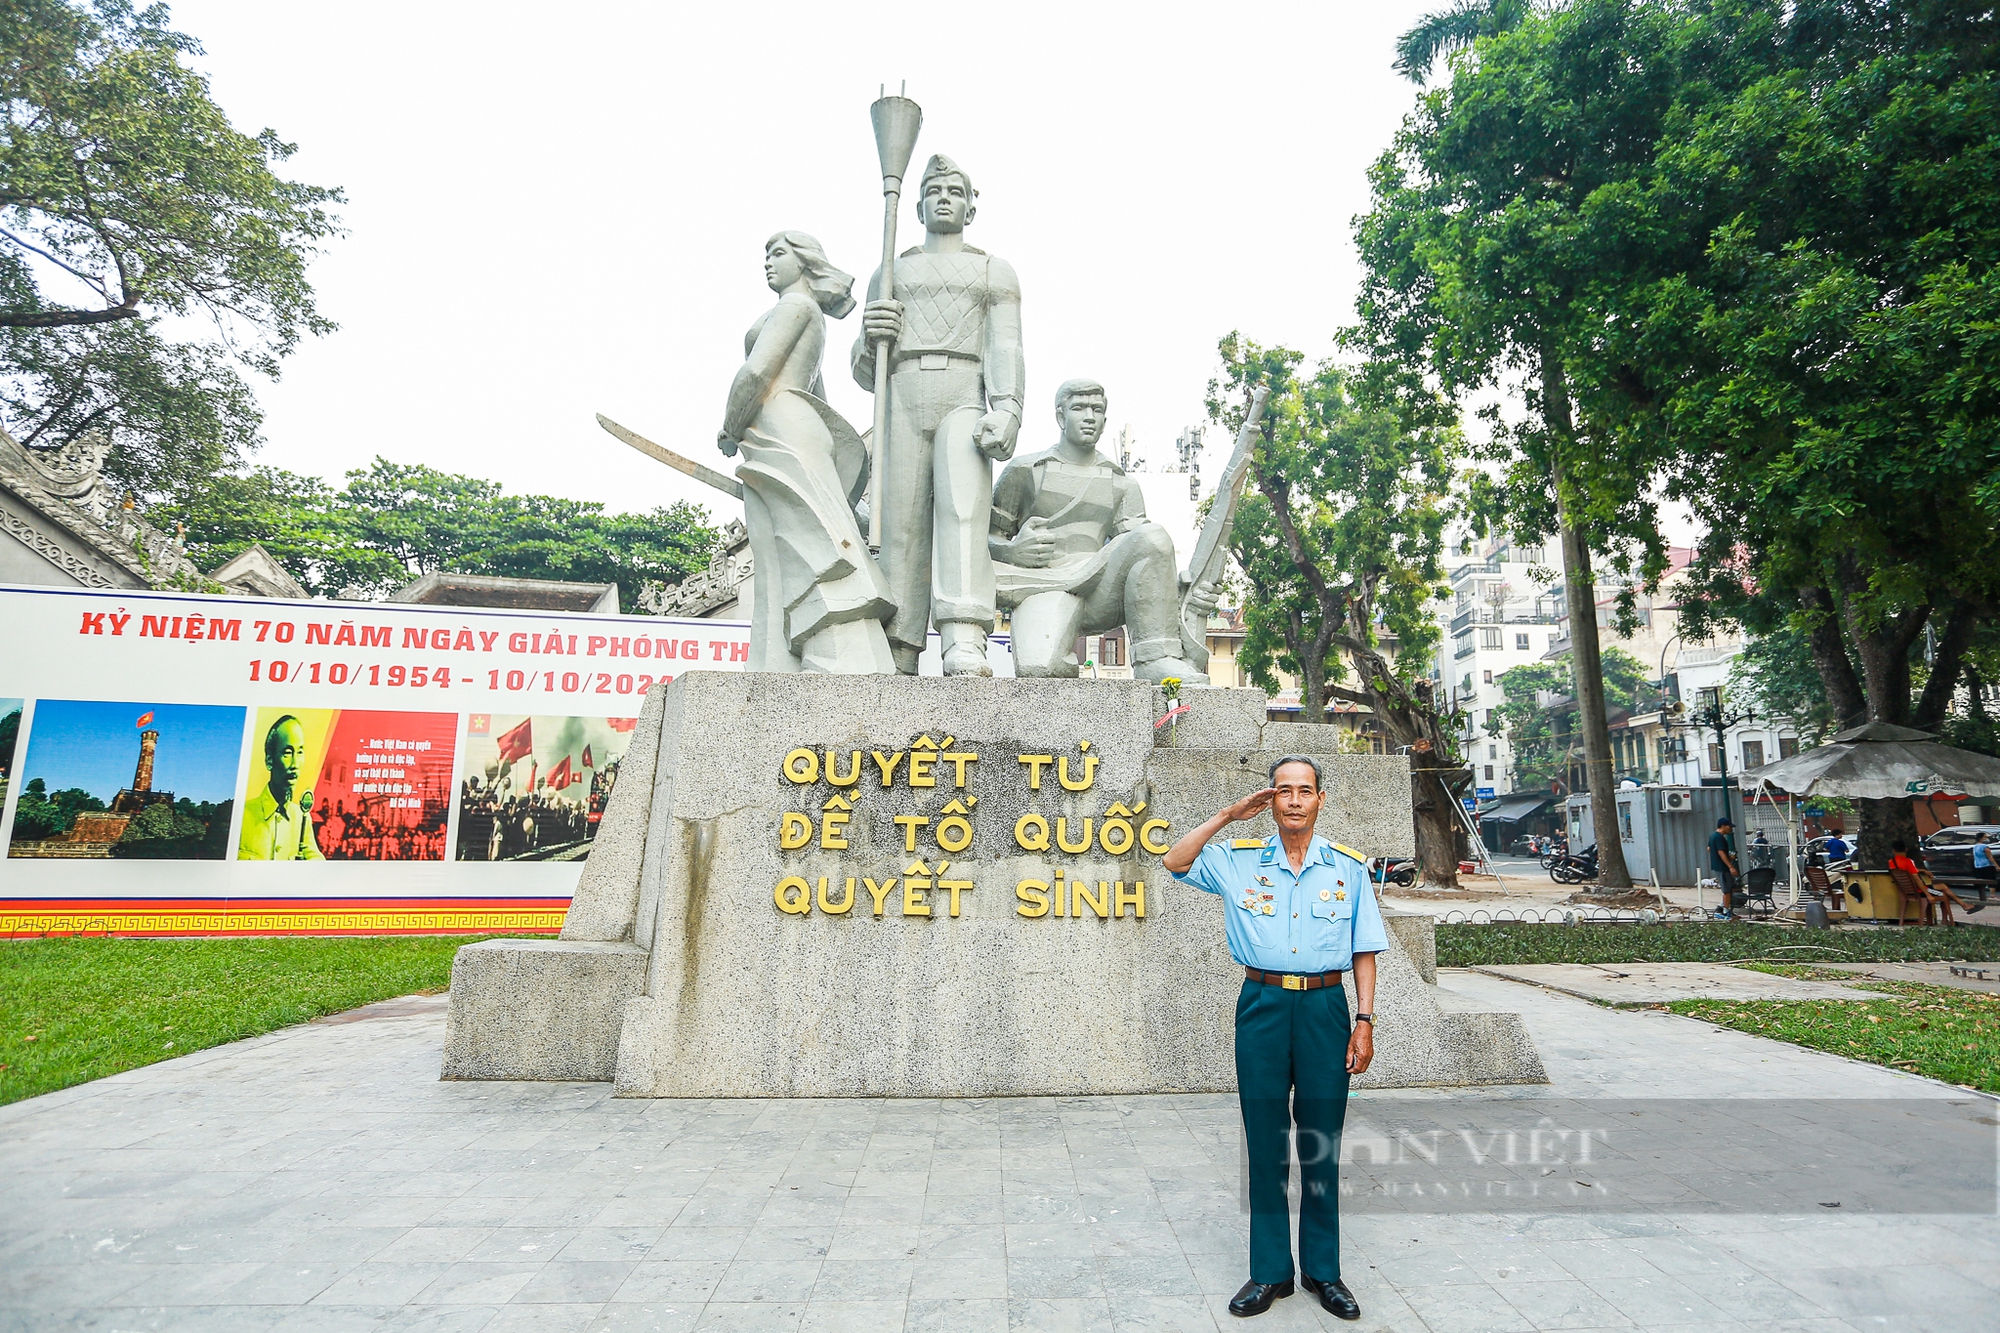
1291, 1065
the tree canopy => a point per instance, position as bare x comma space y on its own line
1538, 718
1340, 537
1739, 253
392, 522
129, 206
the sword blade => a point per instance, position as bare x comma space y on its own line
726, 484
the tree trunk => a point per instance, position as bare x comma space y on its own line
1885, 677
1585, 654
1437, 826
1883, 824
1829, 650
1587, 660
1947, 664
1411, 723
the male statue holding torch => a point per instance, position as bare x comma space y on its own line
955, 381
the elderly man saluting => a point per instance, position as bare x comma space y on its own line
1299, 913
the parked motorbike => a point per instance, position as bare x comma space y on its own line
1552, 851
1578, 869
1393, 870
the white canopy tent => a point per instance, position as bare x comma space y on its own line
1876, 761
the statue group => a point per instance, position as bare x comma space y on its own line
1061, 542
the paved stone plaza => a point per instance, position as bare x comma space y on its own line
323, 1179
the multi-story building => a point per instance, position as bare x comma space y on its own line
1656, 741
1700, 756
1501, 616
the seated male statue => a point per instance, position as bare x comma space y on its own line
1073, 553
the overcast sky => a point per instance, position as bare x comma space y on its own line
557, 211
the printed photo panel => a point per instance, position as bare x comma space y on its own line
10, 735
339, 784
105, 779
533, 788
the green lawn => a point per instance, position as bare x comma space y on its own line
1707, 942
72, 1010
1937, 1031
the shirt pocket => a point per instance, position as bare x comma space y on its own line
1333, 919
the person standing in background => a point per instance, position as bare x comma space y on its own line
1722, 865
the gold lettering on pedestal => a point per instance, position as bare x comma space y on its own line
1117, 826
841, 907
833, 824
1080, 784
916, 881
952, 886
888, 763
833, 777
910, 824
793, 895
958, 759
954, 831
1118, 832
1031, 832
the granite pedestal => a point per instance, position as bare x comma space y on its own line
806, 886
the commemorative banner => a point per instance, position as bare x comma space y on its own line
196, 765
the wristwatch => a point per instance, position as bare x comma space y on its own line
1369, 1019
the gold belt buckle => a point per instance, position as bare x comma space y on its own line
1290, 982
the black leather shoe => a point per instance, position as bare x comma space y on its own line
1334, 1297
1256, 1297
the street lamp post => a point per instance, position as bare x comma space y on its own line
1710, 712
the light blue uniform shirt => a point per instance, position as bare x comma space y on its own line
1314, 921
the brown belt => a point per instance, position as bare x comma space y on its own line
1290, 981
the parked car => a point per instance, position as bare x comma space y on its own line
1948, 856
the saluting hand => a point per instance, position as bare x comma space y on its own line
1256, 803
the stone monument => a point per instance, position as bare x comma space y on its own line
825, 877
1074, 553
819, 601
953, 332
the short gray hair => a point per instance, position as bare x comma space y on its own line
1319, 778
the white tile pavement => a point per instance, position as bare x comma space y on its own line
323, 1178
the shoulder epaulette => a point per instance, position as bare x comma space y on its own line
1343, 847
1244, 844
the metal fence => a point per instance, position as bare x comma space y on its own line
1571, 916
